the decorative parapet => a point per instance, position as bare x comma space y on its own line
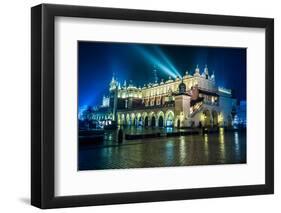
225, 91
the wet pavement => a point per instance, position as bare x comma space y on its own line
203, 149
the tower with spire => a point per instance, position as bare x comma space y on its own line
197, 71
114, 83
113, 88
125, 84
205, 74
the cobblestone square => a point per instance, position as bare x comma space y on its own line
206, 149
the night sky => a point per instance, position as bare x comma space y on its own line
97, 61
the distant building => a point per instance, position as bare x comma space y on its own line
81, 111
105, 101
240, 118
192, 101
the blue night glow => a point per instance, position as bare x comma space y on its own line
97, 61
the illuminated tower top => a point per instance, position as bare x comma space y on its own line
186, 75
113, 84
197, 71
125, 84
206, 70
205, 74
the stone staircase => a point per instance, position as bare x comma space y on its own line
196, 108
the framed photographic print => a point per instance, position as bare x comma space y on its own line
139, 106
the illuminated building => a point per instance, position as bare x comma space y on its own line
240, 119
190, 101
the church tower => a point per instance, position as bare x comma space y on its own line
206, 72
182, 106
113, 90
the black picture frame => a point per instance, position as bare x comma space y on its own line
43, 110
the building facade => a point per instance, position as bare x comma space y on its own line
191, 101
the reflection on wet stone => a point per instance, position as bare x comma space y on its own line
222, 147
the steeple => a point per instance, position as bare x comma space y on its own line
205, 74
197, 71
113, 84
206, 70
113, 77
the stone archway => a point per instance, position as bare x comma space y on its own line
140, 121
128, 120
133, 119
207, 118
153, 121
215, 118
161, 121
146, 121
160, 116
169, 119
220, 119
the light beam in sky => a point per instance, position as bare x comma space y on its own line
155, 61
167, 61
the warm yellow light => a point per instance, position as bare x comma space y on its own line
181, 116
202, 117
220, 118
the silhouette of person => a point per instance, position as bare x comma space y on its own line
120, 136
